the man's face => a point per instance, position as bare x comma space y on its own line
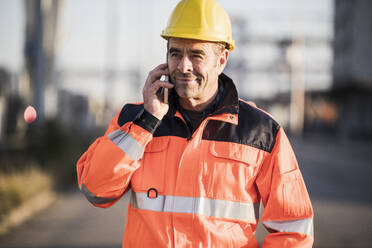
194, 67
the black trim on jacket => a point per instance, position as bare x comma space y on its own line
255, 128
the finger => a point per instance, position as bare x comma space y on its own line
158, 74
155, 75
157, 84
162, 66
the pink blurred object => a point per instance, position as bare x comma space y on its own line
30, 114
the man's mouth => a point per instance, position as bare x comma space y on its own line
185, 79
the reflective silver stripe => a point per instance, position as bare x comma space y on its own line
81, 179
93, 198
126, 143
304, 226
204, 206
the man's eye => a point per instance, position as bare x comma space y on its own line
175, 55
197, 56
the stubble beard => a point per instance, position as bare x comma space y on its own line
188, 91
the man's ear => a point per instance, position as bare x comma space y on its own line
222, 60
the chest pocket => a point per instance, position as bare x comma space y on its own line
151, 174
233, 168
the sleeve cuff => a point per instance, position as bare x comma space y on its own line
147, 121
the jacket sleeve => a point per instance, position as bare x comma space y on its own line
288, 214
104, 171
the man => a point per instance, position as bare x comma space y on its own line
199, 165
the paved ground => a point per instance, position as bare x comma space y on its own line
71, 222
338, 178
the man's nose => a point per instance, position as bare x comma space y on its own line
185, 65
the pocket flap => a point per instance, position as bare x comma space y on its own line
157, 144
238, 152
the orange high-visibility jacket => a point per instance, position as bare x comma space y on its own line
201, 189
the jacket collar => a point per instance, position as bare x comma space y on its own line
229, 100
226, 108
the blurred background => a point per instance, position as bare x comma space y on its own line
308, 63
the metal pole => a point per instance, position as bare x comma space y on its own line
297, 105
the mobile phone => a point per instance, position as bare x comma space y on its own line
165, 91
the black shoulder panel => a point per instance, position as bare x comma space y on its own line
129, 113
171, 126
255, 128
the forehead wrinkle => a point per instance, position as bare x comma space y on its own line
194, 46
188, 50
173, 49
197, 51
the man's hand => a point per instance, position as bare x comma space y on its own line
152, 103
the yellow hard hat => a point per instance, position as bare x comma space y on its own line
200, 20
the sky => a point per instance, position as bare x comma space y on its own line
96, 34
